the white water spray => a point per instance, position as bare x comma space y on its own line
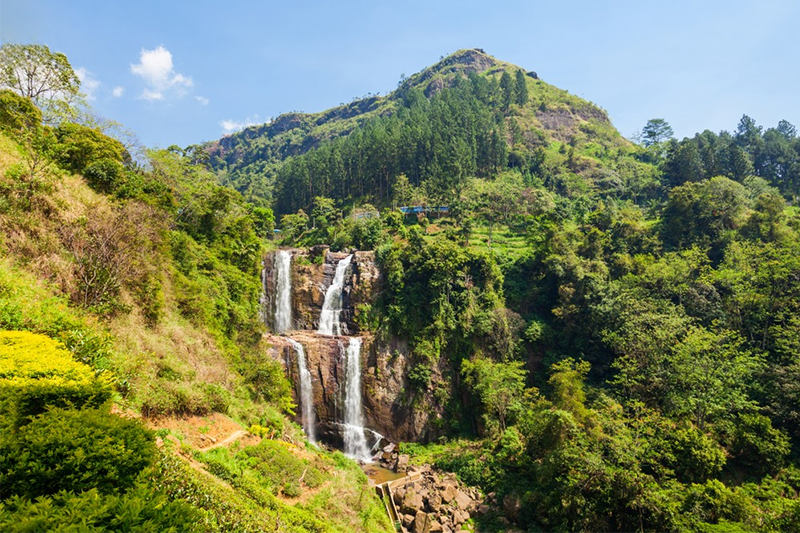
355, 443
283, 292
330, 320
306, 396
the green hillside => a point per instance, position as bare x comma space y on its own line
468, 115
603, 335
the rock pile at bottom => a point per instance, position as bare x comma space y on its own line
436, 503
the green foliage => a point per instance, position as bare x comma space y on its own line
79, 147
500, 388
37, 373
47, 78
17, 113
91, 511
76, 450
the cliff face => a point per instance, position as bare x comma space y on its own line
312, 273
389, 408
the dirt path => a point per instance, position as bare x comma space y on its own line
233, 437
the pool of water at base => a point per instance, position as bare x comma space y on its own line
378, 474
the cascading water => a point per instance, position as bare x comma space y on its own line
355, 443
330, 320
283, 292
306, 397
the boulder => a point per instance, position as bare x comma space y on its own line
436, 527
407, 520
412, 502
459, 517
449, 493
422, 523
434, 502
462, 500
402, 463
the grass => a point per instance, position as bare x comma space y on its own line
301, 485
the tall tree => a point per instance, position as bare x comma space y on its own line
521, 88
507, 90
656, 131
45, 77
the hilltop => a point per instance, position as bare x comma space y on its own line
534, 127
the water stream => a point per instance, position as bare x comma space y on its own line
355, 442
283, 292
306, 396
330, 318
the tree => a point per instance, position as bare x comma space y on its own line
47, 78
656, 131
500, 387
521, 88
507, 90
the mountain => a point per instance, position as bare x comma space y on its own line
468, 97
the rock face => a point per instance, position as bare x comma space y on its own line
312, 274
387, 409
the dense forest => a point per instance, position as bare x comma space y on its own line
615, 322
608, 328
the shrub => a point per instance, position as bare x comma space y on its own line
36, 372
80, 146
68, 449
90, 511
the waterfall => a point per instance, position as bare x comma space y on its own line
283, 292
355, 443
330, 320
306, 397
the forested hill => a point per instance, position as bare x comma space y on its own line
468, 115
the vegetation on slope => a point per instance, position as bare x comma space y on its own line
133, 288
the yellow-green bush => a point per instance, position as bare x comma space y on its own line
37, 372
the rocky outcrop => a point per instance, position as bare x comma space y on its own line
436, 502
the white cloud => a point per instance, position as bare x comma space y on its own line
117, 91
230, 126
202, 99
147, 94
88, 83
156, 69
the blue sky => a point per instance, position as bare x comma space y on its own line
183, 72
